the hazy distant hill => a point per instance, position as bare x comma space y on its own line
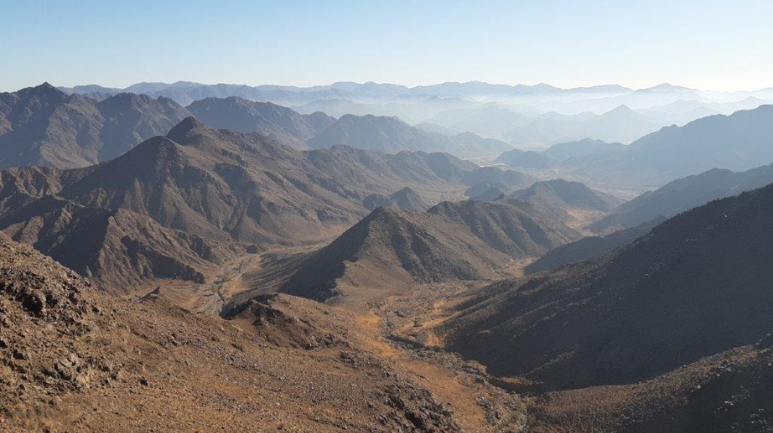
44, 126
697, 285
740, 141
488, 121
391, 135
510, 178
489, 178
736, 142
188, 92
620, 124
581, 153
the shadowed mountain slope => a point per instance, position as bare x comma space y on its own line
589, 248
697, 285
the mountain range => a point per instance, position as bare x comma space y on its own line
700, 275
44, 126
247, 265
738, 142
204, 194
618, 125
273, 121
391, 135
390, 250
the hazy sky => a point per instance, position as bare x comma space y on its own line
708, 44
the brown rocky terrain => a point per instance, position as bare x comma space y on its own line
44, 126
727, 392
213, 238
72, 359
273, 121
390, 251
175, 206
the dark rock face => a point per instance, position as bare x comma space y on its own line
696, 285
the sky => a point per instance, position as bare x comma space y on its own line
705, 44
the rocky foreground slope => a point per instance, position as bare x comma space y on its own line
72, 359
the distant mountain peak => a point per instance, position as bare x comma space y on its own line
622, 108
667, 88
45, 89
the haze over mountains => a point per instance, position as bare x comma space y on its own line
455, 279
44, 126
740, 141
533, 116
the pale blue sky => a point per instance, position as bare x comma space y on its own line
708, 44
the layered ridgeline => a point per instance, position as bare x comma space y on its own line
683, 194
44, 126
738, 142
389, 250
391, 135
488, 183
174, 205
568, 154
696, 285
406, 199
620, 124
